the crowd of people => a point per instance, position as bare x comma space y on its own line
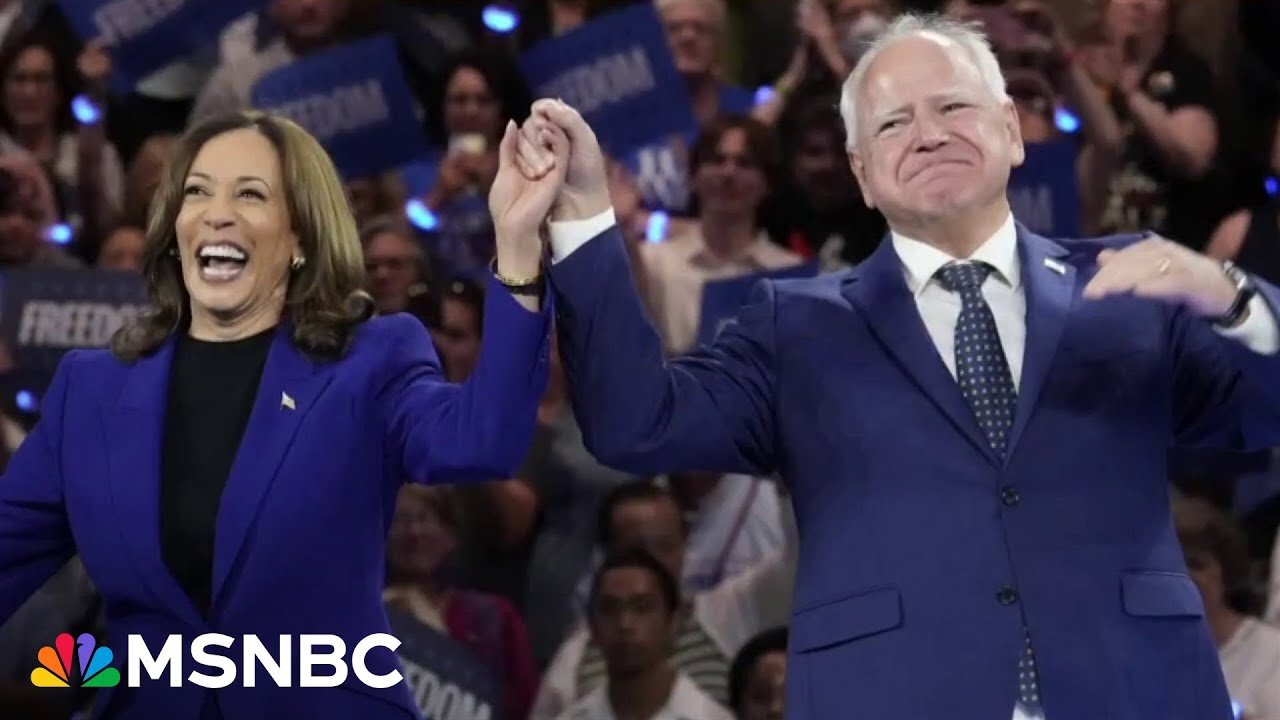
584, 593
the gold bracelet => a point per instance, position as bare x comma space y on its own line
532, 286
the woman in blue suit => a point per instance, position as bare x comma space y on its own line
231, 465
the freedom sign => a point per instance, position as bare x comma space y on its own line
1043, 192
354, 99
48, 312
446, 679
146, 35
617, 71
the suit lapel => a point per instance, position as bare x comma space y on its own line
134, 428
287, 391
1049, 284
877, 288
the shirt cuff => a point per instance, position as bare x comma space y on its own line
1259, 332
567, 236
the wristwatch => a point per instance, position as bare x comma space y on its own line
1245, 290
515, 286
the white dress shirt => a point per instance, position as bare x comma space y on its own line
940, 309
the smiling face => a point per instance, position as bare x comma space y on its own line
235, 237
933, 142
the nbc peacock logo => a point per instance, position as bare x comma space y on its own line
94, 664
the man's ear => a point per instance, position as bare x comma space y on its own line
859, 172
1013, 127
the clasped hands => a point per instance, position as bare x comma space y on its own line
551, 167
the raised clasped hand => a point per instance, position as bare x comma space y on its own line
1164, 270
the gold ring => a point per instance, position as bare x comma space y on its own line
1164, 267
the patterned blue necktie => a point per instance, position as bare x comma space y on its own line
983, 373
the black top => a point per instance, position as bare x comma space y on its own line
1144, 194
211, 391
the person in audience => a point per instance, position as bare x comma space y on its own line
714, 624
736, 164
27, 211
758, 677
697, 31
372, 197
144, 177
396, 264
1273, 592
733, 525
480, 92
457, 337
422, 588
1163, 98
305, 26
634, 616
124, 248
568, 486
1248, 648
36, 119
819, 213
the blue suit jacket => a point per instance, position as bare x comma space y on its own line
302, 523
922, 553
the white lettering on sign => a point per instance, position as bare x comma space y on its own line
60, 324
127, 19
609, 79
438, 700
343, 109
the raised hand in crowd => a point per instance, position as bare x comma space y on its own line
815, 22
94, 64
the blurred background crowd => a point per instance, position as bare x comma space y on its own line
673, 592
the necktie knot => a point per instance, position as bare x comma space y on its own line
961, 276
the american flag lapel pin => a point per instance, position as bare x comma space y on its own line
286, 401
1055, 266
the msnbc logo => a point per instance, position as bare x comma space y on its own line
94, 662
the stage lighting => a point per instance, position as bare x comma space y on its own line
420, 215
500, 18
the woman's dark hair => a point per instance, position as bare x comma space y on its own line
637, 558
1207, 533
769, 641
762, 147
65, 78
631, 492
325, 299
504, 81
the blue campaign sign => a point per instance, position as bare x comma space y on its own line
1043, 191
446, 679
354, 99
723, 299
146, 35
48, 312
617, 71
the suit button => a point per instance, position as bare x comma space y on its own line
1007, 595
1009, 494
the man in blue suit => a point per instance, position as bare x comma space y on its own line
974, 423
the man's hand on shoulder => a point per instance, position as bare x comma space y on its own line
1164, 270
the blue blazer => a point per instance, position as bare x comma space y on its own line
302, 523
922, 553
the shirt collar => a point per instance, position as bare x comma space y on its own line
922, 261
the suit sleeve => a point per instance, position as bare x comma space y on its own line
35, 536
1226, 395
477, 430
711, 410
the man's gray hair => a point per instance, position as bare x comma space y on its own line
967, 36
